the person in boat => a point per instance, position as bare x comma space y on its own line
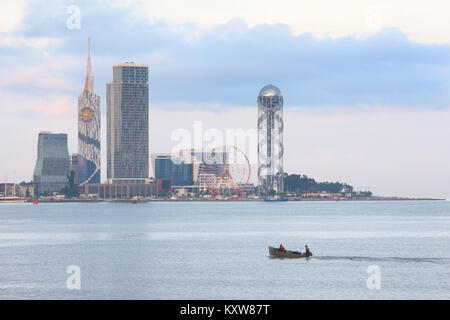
307, 251
281, 248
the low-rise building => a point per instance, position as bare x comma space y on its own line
9, 189
26, 191
128, 189
119, 190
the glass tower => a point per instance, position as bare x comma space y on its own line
88, 169
127, 122
52, 165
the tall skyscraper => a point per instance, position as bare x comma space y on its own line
88, 168
270, 139
52, 165
127, 120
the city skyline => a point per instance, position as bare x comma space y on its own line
347, 117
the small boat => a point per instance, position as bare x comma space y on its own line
274, 252
35, 202
272, 199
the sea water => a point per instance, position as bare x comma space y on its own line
219, 250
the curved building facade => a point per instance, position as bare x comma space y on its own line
88, 130
52, 165
270, 139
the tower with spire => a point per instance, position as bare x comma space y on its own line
89, 83
86, 163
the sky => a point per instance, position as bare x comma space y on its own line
366, 84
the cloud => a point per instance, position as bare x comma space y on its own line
423, 22
228, 63
11, 14
38, 77
36, 107
8, 41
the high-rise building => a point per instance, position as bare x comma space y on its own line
88, 162
127, 122
52, 165
270, 140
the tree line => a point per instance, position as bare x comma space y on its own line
300, 184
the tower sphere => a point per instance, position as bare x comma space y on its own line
270, 91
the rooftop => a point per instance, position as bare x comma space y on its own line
270, 91
130, 64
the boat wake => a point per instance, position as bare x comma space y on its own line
385, 259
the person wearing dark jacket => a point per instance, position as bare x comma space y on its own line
307, 253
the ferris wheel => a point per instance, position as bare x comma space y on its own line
225, 171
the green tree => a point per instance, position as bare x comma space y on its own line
301, 184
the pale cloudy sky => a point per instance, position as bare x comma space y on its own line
366, 83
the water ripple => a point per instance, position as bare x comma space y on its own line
385, 259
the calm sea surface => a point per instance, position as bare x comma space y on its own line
219, 250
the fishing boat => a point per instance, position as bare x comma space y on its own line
274, 252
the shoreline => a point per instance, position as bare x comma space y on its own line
215, 200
